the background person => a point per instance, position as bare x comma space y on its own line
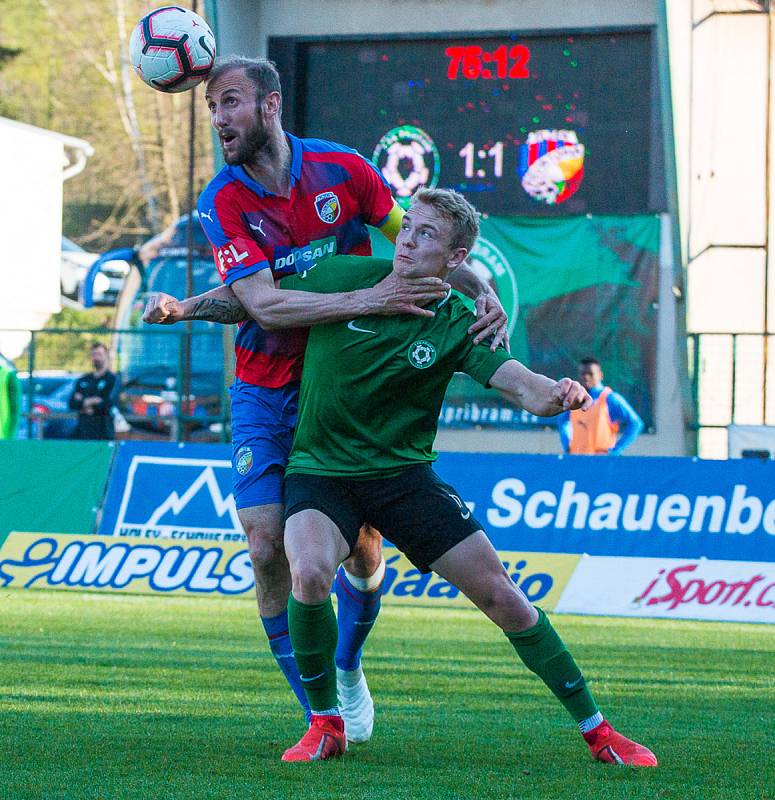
10, 400
608, 428
93, 398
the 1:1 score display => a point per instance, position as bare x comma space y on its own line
472, 62
469, 153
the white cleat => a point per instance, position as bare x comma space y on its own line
355, 704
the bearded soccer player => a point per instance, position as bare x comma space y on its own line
283, 205
370, 398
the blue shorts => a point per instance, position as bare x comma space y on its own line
262, 425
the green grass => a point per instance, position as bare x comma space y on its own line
151, 698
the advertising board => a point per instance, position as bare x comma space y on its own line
739, 591
668, 537
646, 507
223, 569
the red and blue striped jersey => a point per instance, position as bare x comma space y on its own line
335, 193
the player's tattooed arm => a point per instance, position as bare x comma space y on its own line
536, 393
217, 305
227, 310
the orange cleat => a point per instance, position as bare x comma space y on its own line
324, 739
610, 747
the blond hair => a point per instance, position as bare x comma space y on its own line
453, 207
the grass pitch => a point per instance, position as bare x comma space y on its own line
155, 698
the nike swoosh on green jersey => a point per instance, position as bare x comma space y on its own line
569, 685
353, 327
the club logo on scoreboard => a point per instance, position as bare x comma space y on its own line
408, 160
551, 165
489, 263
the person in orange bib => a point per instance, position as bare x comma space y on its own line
608, 428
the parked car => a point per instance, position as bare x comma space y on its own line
75, 264
150, 356
149, 400
51, 393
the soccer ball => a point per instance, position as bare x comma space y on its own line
172, 49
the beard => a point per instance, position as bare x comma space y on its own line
250, 144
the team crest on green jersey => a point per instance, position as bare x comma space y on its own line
421, 354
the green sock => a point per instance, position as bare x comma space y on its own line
544, 652
313, 638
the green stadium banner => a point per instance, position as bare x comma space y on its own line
52, 486
572, 287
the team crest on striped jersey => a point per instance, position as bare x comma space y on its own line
328, 207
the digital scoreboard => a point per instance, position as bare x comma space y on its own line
528, 124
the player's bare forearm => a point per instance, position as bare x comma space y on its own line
537, 393
275, 309
525, 389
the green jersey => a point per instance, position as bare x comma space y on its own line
372, 388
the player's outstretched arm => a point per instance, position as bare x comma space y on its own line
536, 393
275, 309
217, 305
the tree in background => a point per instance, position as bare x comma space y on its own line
71, 74
69, 351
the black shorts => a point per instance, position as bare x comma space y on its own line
419, 513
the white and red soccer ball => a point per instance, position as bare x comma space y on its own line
172, 49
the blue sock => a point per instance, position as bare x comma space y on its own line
280, 644
356, 612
